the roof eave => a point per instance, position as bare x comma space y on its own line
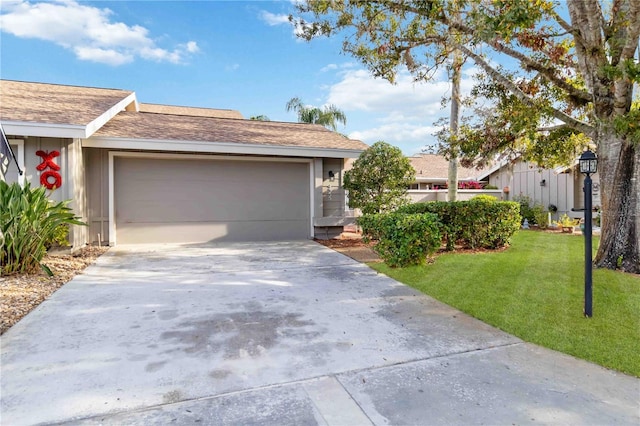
217, 147
48, 130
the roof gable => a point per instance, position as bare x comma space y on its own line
432, 166
73, 111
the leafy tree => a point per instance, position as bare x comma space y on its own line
328, 116
260, 118
571, 83
379, 179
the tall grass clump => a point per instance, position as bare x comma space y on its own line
29, 222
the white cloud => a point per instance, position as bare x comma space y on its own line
411, 137
273, 19
87, 31
402, 114
105, 56
358, 90
192, 47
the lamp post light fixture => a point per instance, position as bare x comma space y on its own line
588, 166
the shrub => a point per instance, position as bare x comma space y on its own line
370, 224
59, 238
407, 239
526, 211
490, 187
379, 179
474, 223
540, 215
469, 184
28, 222
485, 197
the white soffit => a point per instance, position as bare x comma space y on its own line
21, 128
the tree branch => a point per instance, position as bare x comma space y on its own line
499, 78
633, 32
546, 72
552, 128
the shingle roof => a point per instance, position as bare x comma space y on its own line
140, 125
55, 104
193, 111
436, 166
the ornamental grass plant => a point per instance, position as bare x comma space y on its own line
29, 223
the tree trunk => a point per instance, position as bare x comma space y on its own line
454, 123
619, 169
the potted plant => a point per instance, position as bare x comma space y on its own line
567, 223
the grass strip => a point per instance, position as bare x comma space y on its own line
535, 290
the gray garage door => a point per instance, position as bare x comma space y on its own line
159, 200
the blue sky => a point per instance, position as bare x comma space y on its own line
239, 55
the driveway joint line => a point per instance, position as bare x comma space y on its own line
291, 383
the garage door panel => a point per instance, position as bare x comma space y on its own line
210, 231
204, 200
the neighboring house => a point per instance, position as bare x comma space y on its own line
432, 173
561, 187
143, 173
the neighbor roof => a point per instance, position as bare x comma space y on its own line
169, 127
432, 166
193, 111
56, 104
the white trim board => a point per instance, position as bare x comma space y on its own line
167, 156
20, 128
217, 147
19, 153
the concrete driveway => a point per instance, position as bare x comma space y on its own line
280, 333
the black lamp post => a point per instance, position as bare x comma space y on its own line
588, 166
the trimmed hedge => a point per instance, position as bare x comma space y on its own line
407, 236
403, 239
476, 223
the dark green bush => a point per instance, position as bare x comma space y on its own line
406, 239
28, 222
540, 215
370, 225
476, 223
526, 211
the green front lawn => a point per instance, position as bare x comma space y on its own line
534, 290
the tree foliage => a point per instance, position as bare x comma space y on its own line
327, 116
379, 179
569, 83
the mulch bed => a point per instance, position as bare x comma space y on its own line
353, 246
